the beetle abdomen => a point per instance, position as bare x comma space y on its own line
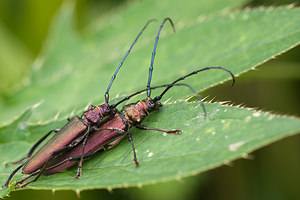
68, 133
97, 140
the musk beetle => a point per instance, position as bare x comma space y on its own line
89, 140
75, 132
110, 133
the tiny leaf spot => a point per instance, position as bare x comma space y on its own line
23, 125
235, 146
247, 119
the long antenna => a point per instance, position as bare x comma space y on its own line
157, 98
154, 51
121, 63
159, 86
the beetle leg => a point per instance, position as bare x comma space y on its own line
61, 150
53, 154
12, 175
24, 179
133, 149
129, 138
124, 121
139, 126
113, 129
76, 158
32, 148
101, 150
40, 172
84, 143
82, 155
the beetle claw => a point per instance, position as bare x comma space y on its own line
18, 187
78, 176
137, 164
177, 132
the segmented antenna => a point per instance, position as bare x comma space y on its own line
154, 51
157, 98
121, 63
159, 86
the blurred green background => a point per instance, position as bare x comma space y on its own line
269, 173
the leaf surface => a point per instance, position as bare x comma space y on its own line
228, 133
74, 69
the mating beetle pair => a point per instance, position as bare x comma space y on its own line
99, 128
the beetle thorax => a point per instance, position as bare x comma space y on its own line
135, 113
95, 114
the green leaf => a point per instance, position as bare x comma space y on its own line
227, 134
11, 69
73, 69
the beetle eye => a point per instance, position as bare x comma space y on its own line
107, 109
91, 107
150, 104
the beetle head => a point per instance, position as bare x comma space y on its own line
151, 105
96, 113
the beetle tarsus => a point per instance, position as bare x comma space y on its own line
133, 149
157, 129
137, 164
16, 162
177, 132
21, 186
78, 176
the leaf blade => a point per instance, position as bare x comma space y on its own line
219, 140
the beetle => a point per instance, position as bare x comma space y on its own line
110, 133
76, 131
